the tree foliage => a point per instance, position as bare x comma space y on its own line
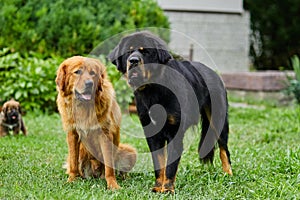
275, 32
72, 27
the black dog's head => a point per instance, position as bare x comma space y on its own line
11, 110
139, 56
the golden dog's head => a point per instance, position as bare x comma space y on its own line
81, 77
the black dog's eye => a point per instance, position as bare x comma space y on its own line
143, 51
129, 52
79, 71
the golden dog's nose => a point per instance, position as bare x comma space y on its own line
89, 83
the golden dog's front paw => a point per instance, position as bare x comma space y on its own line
72, 177
112, 184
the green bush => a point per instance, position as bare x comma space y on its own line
60, 29
65, 28
28, 79
294, 83
275, 32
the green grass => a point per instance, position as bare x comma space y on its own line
264, 144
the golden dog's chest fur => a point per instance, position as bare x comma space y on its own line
91, 117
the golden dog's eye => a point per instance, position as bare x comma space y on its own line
79, 71
92, 73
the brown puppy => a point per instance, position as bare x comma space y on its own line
91, 117
11, 118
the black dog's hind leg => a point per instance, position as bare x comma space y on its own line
224, 152
209, 155
208, 126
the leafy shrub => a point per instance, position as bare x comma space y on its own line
28, 79
294, 84
66, 28
62, 28
275, 32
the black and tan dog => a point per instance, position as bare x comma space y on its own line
171, 96
11, 119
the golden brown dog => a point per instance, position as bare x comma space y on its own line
91, 117
11, 119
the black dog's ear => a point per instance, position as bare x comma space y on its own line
117, 60
121, 64
112, 58
163, 56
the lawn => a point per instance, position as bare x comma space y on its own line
264, 143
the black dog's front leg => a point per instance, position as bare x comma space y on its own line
165, 166
156, 144
174, 150
158, 153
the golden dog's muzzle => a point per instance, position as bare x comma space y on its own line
87, 91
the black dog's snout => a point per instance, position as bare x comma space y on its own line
134, 60
89, 83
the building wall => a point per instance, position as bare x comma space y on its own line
219, 35
228, 6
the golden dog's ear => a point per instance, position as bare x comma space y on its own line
100, 83
102, 78
60, 77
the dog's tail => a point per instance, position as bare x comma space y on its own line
125, 158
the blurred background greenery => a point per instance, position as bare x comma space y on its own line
275, 33
36, 36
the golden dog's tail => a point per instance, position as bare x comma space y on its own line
90, 167
125, 159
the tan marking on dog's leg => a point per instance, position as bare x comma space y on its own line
168, 186
159, 182
225, 161
172, 119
